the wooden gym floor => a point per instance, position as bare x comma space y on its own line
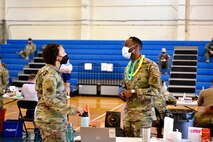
98, 105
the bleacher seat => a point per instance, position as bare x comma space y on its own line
106, 51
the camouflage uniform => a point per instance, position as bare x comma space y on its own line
51, 112
138, 111
28, 50
160, 107
201, 118
160, 102
4, 81
170, 99
208, 48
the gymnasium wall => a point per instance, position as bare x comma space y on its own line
108, 19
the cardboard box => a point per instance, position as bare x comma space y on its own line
205, 136
194, 134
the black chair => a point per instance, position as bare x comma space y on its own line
27, 106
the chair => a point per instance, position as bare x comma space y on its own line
29, 107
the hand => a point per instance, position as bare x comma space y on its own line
122, 96
80, 110
127, 94
211, 52
163, 60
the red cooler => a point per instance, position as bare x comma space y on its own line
2, 117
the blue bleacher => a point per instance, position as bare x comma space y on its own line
105, 51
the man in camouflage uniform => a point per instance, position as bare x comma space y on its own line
208, 50
29, 49
4, 81
141, 82
52, 109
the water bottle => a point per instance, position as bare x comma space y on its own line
85, 119
146, 133
70, 133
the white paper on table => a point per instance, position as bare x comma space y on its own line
103, 66
112, 132
168, 126
194, 134
88, 66
109, 67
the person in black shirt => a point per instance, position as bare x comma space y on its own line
163, 60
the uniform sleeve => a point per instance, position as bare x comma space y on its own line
154, 80
123, 82
160, 105
159, 58
171, 100
34, 47
200, 99
207, 47
168, 58
5, 79
49, 92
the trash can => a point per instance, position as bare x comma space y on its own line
182, 120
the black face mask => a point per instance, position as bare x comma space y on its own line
64, 59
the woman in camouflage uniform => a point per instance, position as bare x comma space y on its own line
52, 109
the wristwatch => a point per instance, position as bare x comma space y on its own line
133, 91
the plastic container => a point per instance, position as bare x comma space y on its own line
70, 133
182, 120
85, 119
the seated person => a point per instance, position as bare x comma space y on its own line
208, 50
29, 93
204, 117
28, 90
205, 97
29, 49
163, 60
